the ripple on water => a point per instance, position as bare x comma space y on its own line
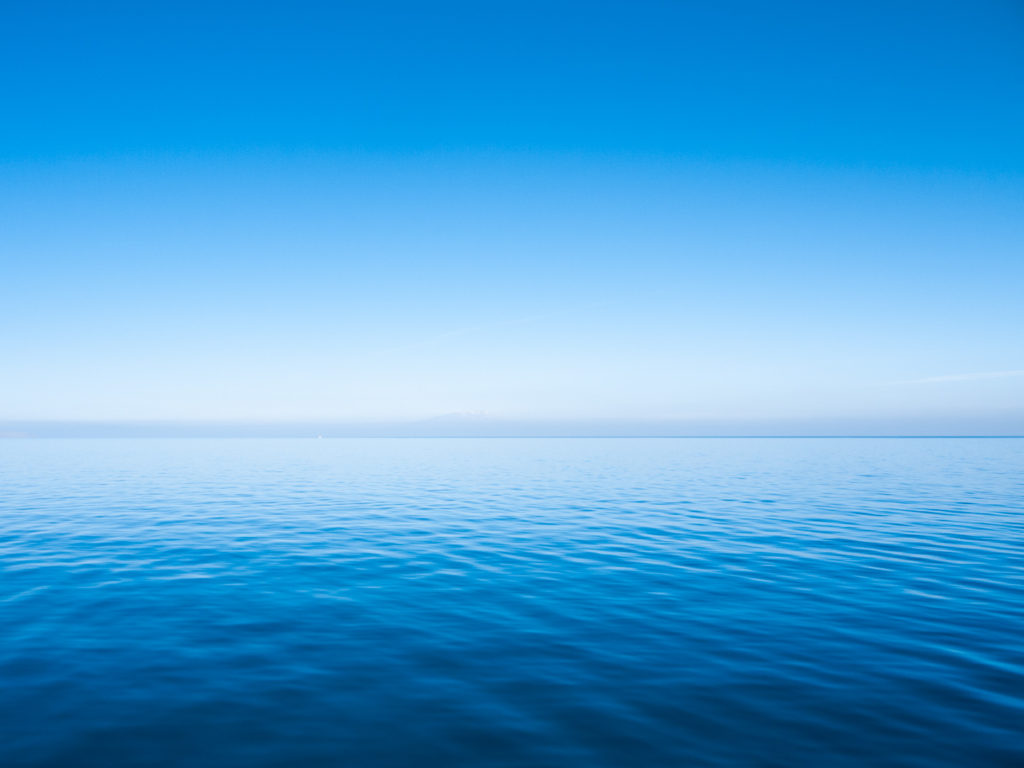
512, 602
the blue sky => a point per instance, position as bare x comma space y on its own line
556, 211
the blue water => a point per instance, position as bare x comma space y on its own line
588, 602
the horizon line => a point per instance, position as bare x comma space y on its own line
919, 425
517, 437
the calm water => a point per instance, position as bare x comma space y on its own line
512, 602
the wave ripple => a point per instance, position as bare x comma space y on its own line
512, 602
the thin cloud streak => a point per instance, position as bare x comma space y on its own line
967, 377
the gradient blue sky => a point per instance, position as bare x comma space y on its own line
531, 211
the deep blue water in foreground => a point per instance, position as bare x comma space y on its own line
587, 602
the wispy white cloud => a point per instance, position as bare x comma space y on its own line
967, 377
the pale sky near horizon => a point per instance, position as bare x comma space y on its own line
560, 211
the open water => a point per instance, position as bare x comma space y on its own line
512, 602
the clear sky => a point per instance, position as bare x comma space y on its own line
633, 211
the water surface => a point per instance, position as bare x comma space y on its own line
512, 602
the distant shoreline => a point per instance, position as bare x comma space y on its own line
54, 434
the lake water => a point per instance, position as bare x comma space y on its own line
512, 602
